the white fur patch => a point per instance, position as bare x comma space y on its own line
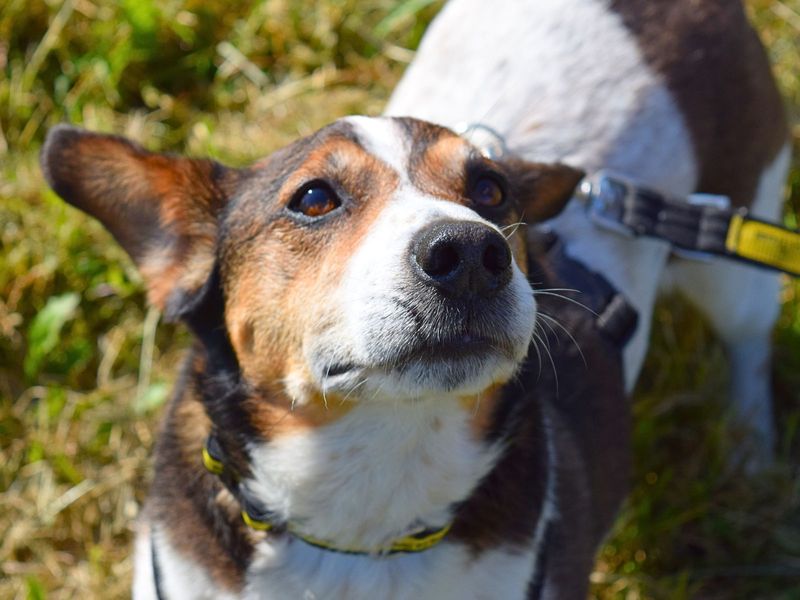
373, 281
382, 468
383, 139
741, 303
361, 481
447, 572
180, 578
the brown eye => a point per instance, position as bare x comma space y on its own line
487, 192
315, 200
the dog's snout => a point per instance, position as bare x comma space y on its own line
462, 258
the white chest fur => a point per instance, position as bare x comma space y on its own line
363, 481
367, 478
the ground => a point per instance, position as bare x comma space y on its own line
85, 366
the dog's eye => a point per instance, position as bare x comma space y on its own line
486, 191
314, 200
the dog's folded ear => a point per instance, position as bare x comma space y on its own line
542, 189
162, 209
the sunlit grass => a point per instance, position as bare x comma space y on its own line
236, 80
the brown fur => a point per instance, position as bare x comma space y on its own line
728, 97
162, 209
200, 520
281, 291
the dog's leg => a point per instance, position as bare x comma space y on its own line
741, 304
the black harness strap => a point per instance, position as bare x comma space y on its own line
537, 583
615, 317
157, 581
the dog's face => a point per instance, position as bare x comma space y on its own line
378, 259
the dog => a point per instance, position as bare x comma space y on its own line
357, 417
677, 96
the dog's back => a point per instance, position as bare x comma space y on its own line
676, 95
667, 92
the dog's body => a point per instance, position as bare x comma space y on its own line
360, 317
675, 95
361, 309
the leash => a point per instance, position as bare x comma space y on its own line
258, 517
699, 227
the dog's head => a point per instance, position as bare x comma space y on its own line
379, 258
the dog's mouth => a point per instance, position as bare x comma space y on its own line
465, 346
443, 364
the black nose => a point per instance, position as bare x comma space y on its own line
462, 258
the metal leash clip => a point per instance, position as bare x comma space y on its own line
604, 196
613, 202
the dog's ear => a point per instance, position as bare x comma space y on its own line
542, 189
162, 209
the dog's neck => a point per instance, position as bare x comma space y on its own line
376, 474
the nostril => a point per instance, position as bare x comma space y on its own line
442, 259
496, 258
462, 259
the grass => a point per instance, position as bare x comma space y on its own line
85, 366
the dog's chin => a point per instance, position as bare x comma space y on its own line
450, 371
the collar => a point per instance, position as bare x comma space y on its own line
260, 518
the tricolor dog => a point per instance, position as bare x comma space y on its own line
357, 418
675, 95
363, 414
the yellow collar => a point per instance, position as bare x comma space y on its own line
417, 542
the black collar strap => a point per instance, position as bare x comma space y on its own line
258, 517
701, 226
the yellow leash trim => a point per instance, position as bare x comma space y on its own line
764, 243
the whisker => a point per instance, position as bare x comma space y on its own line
516, 226
549, 292
553, 365
555, 322
490, 110
353, 389
477, 405
536, 341
545, 323
324, 387
510, 225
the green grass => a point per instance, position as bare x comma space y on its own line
84, 367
